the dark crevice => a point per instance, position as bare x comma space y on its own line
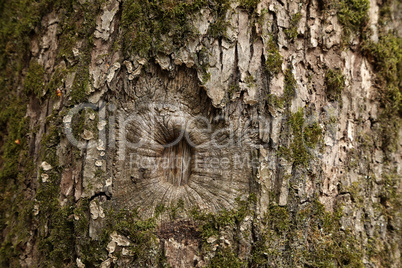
221, 52
100, 194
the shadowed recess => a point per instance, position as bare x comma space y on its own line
176, 163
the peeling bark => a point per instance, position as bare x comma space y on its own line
195, 133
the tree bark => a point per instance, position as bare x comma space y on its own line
196, 133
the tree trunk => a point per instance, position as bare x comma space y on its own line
196, 133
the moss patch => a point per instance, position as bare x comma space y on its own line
353, 15
386, 57
289, 89
290, 86
142, 33
34, 82
273, 65
219, 9
16, 167
305, 137
151, 27
291, 33
19, 23
250, 5
140, 232
225, 256
275, 101
335, 83
211, 224
327, 245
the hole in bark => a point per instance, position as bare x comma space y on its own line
176, 161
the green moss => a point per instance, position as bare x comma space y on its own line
81, 122
14, 222
356, 192
277, 219
159, 210
215, 225
385, 13
152, 27
56, 82
203, 64
291, 33
57, 233
290, 86
335, 83
141, 233
99, 173
206, 76
327, 245
175, 209
273, 65
211, 224
250, 81
304, 138
34, 82
324, 244
298, 151
78, 23
390, 183
249, 5
56, 228
81, 211
275, 101
91, 251
19, 22
224, 257
312, 135
16, 168
353, 15
233, 89
81, 83
58, 244
50, 143
14, 125
139, 40
309, 236
217, 29
144, 22
386, 57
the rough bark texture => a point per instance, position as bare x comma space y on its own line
196, 133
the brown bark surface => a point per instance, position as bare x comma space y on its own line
200, 133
